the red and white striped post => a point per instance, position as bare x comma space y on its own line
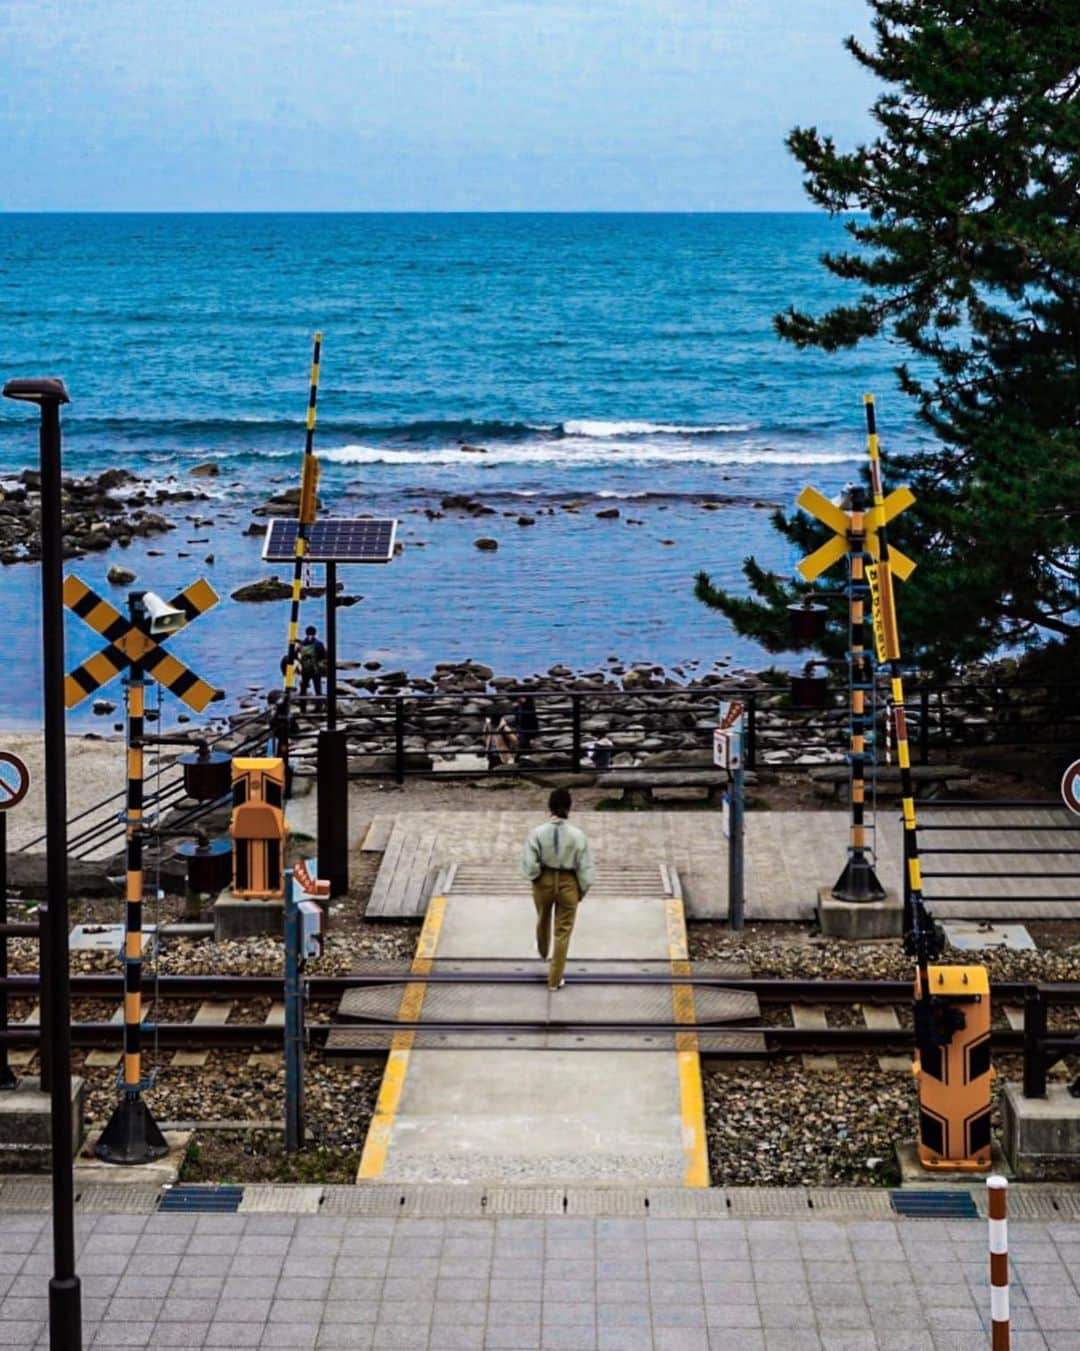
997, 1189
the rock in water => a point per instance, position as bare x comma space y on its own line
118, 576
608, 514
486, 544
208, 469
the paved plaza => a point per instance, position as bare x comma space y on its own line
725, 1284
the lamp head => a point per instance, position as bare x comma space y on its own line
37, 389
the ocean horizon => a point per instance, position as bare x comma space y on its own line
531, 362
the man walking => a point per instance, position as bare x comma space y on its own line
558, 862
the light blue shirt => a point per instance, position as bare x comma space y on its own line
558, 844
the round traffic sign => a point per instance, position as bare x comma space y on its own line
14, 780
1070, 787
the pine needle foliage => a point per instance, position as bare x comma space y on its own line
966, 255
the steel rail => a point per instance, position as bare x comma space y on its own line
774, 1040
320, 989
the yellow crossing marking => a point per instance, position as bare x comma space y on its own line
691, 1093
373, 1159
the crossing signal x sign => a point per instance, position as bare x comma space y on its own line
838, 520
128, 643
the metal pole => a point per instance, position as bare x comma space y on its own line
65, 1291
294, 1024
736, 887
399, 740
1034, 1035
858, 881
997, 1195
575, 729
45, 1054
7, 1079
132, 1136
331, 646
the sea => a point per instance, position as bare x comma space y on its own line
587, 361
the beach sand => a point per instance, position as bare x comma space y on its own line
96, 769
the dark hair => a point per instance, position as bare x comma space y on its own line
560, 802
311, 629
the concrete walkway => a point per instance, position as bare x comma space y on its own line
789, 855
543, 1112
528, 1284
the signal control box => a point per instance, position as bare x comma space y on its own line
258, 827
311, 928
952, 1067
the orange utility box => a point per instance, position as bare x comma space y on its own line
952, 1066
258, 827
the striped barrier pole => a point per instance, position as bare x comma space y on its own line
132, 1135
997, 1191
309, 479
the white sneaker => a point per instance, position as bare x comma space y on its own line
557, 987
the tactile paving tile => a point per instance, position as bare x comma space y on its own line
367, 1199
118, 1198
436, 1201
1068, 1204
703, 1203
22, 1194
1028, 1204
266, 1199
785, 1201
526, 1201
836, 1202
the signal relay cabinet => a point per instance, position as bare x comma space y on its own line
258, 827
954, 1079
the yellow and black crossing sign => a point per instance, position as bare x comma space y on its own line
839, 521
128, 643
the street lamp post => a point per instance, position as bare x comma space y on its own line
65, 1296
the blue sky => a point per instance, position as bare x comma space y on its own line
427, 105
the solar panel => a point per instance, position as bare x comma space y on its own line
332, 541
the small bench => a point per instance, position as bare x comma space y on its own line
639, 785
929, 781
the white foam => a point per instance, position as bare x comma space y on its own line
582, 453
599, 428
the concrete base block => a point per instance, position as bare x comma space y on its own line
235, 918
1042, 1135
161, 1172
26, 1124
913, 1174
862, 919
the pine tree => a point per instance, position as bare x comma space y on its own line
967, 254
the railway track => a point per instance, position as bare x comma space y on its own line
220, 998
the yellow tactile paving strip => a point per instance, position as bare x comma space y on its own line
373, 1159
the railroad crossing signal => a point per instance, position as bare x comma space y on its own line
128, 644
828, 513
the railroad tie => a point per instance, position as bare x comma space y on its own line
885, 1019
269, 1060
19, 1059
210, 1011
102, 1060
813, 1016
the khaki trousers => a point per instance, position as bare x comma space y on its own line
555, 895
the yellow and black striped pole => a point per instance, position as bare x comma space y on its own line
858, 881
887, 642
309, 482
132, 1135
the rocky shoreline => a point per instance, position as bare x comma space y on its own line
113, 507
